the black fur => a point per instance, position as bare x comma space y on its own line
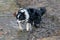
35, 15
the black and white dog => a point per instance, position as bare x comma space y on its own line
31, 16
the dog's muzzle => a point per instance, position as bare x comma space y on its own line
22, 21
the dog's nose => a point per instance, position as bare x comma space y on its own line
18, 22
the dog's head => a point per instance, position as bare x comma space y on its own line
21, 15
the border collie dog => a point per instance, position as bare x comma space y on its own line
31, 16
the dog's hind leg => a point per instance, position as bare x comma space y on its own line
37, 23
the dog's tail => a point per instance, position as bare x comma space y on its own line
42, 10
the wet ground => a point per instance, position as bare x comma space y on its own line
9, 29
49, 27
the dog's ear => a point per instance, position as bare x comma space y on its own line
14, 14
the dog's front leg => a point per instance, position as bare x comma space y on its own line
20, 26
28, 27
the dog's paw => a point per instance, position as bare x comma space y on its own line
37, 25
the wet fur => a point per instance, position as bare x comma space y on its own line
30, 15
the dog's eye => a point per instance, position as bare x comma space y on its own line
19, 12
